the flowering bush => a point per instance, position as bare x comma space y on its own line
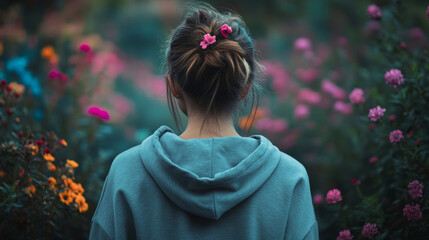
35, 184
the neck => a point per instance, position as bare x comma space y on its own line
210, 128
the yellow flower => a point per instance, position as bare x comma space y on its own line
52, 182
51, 166
66, 197
30, 190
72, 164
16, 87
63, 142
49, 157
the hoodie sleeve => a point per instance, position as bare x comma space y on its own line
302, 222
113, 217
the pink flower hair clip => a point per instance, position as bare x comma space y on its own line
225, 30
208, 39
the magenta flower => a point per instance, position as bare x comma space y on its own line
208, 39
355, 181
376, 113
412, 212
302, 44
415, 189
394, 77
369, 230
333, 196
85, 48
396, 136
356, 96
373, 159
317, 199
392, 118
225, 30
103, 114
374, 12
344, 108
345, 235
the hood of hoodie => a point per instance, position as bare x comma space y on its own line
208, 176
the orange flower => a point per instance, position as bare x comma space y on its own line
16, 87
80, 200
30, 190
1, 48
2, 173
80, 189
52, 182
66, 197
51, 166
63, 142
49, 157
72, 164
71, 185
47, 52
246, 122
34, 149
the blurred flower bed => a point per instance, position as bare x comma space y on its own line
345, 93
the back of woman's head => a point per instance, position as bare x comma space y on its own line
215, 77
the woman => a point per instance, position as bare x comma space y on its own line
209, 182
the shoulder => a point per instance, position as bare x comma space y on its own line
291, 170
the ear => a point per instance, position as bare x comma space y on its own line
173, 86
245, 91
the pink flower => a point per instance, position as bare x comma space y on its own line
85, 48
376, 113
309, 96
343, 108
318, 199
403, 45
302, 44
333, 196
301, 111
21, 172
415, 189
58, 75
355, 181
356, 96
99, 113
374, 12
345, 235
412, 212
333, 90
373, 159
225, 30
392, 118
396, 136
369, 230
208, 39
394, 77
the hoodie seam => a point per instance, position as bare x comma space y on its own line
211, 176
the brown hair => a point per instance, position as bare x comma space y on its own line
214, 78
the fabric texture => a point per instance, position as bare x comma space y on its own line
205, 188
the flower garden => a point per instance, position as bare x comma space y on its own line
345, 92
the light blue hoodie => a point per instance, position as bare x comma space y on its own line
206, 188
